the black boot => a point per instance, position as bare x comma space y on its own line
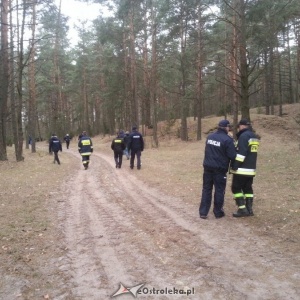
242, 210
249, 203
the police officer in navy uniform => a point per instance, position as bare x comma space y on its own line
244, 168
136, 146
219, 151
85, 148
55, 146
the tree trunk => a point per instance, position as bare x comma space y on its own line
245, 109
133, 84
32, 111
153, 87
184, 109
199, 96
19, 138
3, 78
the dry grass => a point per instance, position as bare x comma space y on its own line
29, 238
176, 168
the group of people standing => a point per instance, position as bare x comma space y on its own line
131, 144
223, 154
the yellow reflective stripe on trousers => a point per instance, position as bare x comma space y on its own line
238, 195
86, 153
249, 195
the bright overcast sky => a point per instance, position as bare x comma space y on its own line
77, 10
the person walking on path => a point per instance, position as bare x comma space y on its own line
126, 141
55, 146
219, 151
118, 146
67, 139
244, 169
136, 146
85, 148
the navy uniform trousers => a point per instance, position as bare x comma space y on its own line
213, 178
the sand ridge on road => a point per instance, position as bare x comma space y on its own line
119, 230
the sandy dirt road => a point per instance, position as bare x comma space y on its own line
118, 230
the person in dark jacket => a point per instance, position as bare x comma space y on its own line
85, 148
55, 146
67, 139
126, 141
244, 168
136, 146
219, 151
118, 146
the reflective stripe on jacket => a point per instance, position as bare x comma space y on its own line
85, 146
247, 147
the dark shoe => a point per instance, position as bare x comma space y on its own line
86, 167
139, 167
220, 216
131, 167
117, 166
241, 212
249, 204
203, 217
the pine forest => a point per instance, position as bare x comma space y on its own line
148, 61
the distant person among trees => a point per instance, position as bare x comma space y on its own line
67, 139
219, 151
85, 148
55, 146
118, 146
244, 169
136, 146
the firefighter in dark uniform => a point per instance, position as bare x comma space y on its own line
55, 146
85, 148
135, 147
244, 168
219, 151
118, 146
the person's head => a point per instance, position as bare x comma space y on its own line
67, 134
53, 134
127, 132
243, 123
225, 125
134, 128
84, 132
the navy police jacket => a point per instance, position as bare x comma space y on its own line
136, 141
219, 151
55, 144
